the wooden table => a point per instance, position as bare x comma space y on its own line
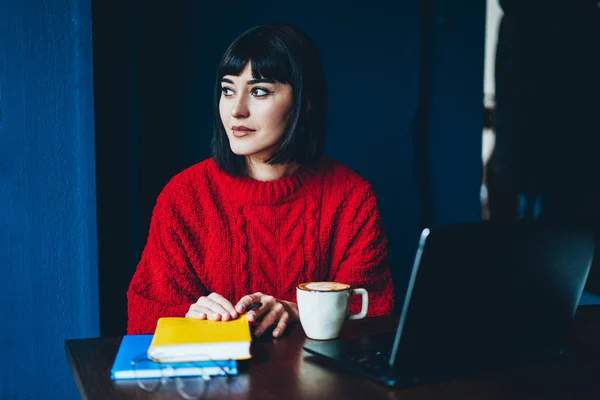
280, 369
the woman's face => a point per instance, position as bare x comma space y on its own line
254, 113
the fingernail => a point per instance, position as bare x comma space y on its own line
215, 316
240, 307
225, 316
276, 332
257, 332
250, 316
233, 314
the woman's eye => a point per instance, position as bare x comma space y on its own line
261, 92
227, 91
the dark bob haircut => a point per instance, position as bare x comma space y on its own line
283, 53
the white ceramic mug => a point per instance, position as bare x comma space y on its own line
323, 307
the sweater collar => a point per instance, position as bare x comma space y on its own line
282, 190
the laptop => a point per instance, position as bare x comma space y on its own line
482, 295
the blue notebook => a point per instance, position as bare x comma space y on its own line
135, 347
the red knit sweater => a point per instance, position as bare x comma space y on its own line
211, 232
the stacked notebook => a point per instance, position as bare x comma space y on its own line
184, 347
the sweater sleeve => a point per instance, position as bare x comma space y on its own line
360, 259
165, 283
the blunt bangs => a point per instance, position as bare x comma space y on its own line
267, 60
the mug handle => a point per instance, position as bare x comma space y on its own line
365, 303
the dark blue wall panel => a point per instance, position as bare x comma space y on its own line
48, 267
116, 90
454, 91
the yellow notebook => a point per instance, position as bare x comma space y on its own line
189, 339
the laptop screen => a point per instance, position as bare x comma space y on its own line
488, 291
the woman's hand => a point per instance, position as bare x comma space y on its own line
272, 311
213, 307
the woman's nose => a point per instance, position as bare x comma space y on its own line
239, 108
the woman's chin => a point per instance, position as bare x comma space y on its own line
248, 151
241, 152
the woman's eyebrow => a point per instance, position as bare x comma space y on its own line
250, 82
261, 80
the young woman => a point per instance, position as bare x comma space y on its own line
268, 211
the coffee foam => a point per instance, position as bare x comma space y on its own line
324, 286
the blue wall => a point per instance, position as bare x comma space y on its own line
48, 274
116, 89
454, 99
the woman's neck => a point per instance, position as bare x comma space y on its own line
266, 172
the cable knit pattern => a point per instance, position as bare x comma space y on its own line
211, 232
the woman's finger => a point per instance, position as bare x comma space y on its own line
245, 301
268, 302
196, 312
282, 324
197, 309
217, 312
223, 302
274, 314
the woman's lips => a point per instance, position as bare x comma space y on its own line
242, 131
